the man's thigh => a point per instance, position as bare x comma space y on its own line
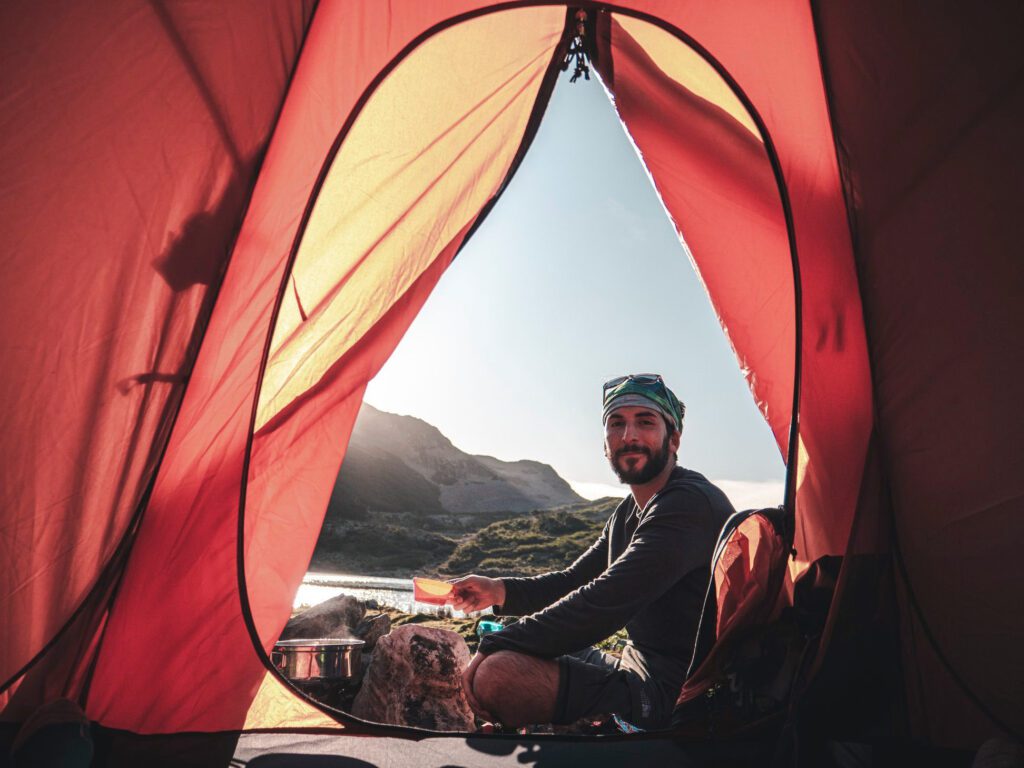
515, 688
594, 683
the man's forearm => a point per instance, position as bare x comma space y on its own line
529, 595
535, 593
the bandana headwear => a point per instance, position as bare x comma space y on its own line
646, 391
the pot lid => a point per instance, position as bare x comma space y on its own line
318, 644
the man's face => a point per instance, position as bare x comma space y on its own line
638, 444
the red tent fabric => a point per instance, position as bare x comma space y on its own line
934, 169
220, 219
129, 157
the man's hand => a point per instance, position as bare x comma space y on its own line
467, 684
474, 593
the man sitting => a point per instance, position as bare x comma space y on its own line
648, 572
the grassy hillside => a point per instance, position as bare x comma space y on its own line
418, 544
381, 549
530, 544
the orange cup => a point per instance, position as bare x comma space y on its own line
430, 591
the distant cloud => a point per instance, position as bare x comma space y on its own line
748, 494
598, 490
744, 494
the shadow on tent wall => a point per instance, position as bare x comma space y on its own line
189, 264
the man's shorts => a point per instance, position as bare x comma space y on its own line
592, 683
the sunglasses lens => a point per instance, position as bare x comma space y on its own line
658, 392
639, 378
614, 382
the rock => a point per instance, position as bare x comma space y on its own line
336, 617
373, 628
415, 679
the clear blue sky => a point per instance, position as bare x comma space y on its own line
576, 276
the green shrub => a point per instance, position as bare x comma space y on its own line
526, 545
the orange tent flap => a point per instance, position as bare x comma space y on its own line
431, 146
276, 706
717, 183
192, 521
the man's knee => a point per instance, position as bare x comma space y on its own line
516, 687
494, 677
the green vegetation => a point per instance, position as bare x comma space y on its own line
421, 543
375, 548
401, 544
530, 544
466, 627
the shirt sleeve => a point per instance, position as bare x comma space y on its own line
675, 536
528, 595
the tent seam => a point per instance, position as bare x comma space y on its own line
375, 83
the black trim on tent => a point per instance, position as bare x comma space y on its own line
918, 612
789, 503
540, 106
122, 550
533, 123
108, 570
354, 724
787, 210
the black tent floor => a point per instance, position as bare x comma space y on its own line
484, 752
305, 749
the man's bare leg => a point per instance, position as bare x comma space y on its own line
517, 689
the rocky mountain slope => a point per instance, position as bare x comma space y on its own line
406, 498
401, 464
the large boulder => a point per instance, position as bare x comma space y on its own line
337, 617
415, 679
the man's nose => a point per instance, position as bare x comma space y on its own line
630, 433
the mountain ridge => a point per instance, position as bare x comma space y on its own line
403, 464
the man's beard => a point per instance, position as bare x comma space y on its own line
652, 467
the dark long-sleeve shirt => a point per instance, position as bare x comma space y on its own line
648, 572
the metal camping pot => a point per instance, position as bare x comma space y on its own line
320, 659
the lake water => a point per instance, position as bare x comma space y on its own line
397, 593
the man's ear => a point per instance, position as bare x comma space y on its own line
673, 441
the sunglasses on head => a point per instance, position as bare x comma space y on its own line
639, 378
